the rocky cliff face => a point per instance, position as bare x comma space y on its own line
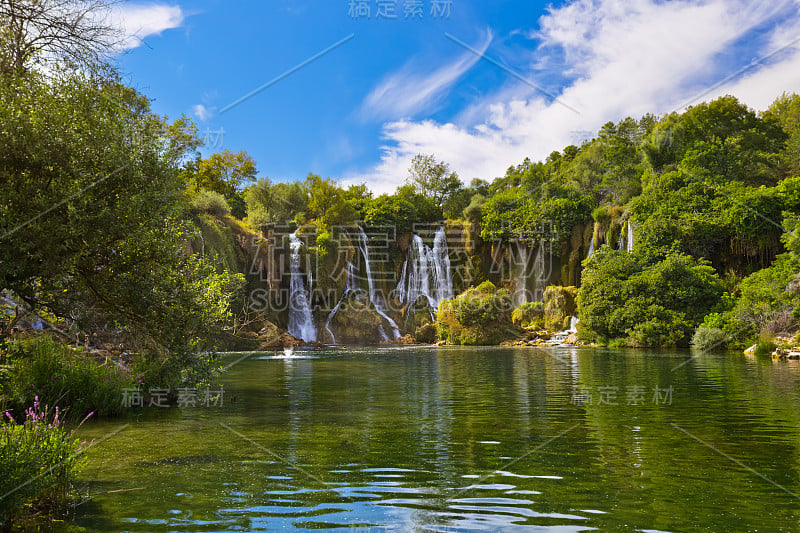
367, 285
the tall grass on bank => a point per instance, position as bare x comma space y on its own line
39, 462
56, 375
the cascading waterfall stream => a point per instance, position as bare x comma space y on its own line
301, 321
426, 272
349, 286
521, 281
630, 235
374, 297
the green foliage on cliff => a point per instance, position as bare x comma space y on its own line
479, 316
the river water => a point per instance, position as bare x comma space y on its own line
460, 439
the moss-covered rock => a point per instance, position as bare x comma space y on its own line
559, 307
426, 333
528, 314
479, 316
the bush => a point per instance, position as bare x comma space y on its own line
765, 345
527, 314
474, 211
479, 316
708, 338
39, 461
210, 202
559, 307
649, 303
601, 214
45, 371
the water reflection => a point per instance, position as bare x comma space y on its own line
463, 439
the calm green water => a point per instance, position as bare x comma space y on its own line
463, 439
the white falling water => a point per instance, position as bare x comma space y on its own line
630, 235
349, 286
426, 272
591, 247
539, 273
521, 283
559, 338
301, 322
621, 240
374, 297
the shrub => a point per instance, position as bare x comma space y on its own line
54, 374
39, 461
210, 202
474, 211
479, 316
527, 314
559, 306
426, 333
649, 302
601, 214
708, 338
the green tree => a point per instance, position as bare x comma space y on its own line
433, 179
91, 214
327, 203
223, 173
394, 211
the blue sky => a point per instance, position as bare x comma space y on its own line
480, 84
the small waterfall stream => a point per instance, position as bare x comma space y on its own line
630, 235
426, 272
591, 247
301, 321
374, 296
349, 286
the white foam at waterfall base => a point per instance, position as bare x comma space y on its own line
301, 321
558, 338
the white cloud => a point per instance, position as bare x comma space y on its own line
139, 21
202, 112
409, 91
624, 58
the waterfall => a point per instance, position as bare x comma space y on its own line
621, 240
426, 272
349, 286
630, 235
573, 325
441, 267
591, 247
521, 281
374, 297
539, 276
301, 323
